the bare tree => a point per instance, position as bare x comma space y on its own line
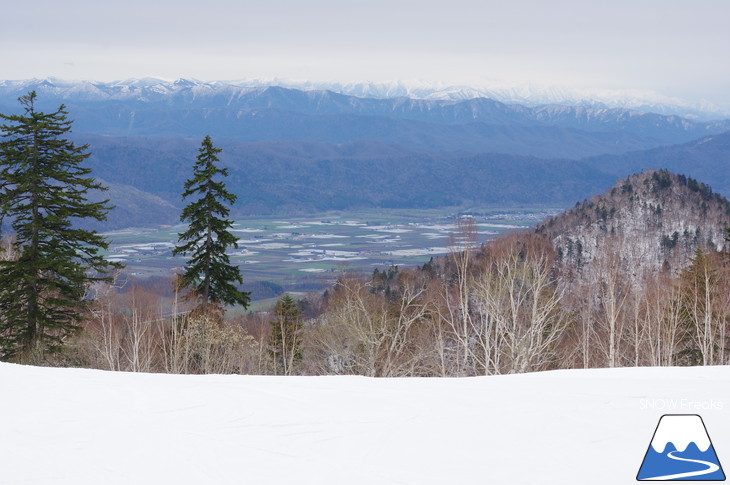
454, 308
662, 320
521, 314
138, 343
363, 332
613, 288
704, 308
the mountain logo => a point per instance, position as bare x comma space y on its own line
681, 450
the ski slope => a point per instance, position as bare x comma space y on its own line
76, 426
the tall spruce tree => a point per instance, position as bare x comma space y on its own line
42, 194
209, 272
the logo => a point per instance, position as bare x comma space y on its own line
681, 450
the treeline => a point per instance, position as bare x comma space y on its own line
496, 309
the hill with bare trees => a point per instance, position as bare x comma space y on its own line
647, 221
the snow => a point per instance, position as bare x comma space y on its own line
418, 252
325, 236
375, 236
389, 229
527, 94
76, 427
244, 252
438, 227
147, 246
252, 241
502, 226
274, 246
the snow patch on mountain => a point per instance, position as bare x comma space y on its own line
531, 95
525, 94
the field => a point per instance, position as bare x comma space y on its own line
306, 253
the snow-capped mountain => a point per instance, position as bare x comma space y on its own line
153, 107
526, 94
150, 89
144, 90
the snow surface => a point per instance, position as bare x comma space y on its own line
76, 426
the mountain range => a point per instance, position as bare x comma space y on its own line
187, 109
528, 94
298, 177
290, 150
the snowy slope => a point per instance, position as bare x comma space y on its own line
72, 426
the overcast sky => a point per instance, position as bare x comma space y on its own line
674, 47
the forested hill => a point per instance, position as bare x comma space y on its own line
651, 220
299, 177
706, 159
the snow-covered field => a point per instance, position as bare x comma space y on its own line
74, 426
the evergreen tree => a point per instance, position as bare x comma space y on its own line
284, 340
209, 272
43, 190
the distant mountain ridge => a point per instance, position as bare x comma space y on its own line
508, 93
706, 159
301, 177
190, 109
296, 151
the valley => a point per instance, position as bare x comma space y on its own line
308, 252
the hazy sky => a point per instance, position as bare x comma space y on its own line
675, 47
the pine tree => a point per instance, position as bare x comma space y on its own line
43, 192
284, 340
209, 272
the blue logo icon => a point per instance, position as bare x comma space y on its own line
681, 450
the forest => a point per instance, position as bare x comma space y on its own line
638, 276
497, 309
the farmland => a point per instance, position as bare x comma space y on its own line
305, 253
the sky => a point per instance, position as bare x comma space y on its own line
673, 47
